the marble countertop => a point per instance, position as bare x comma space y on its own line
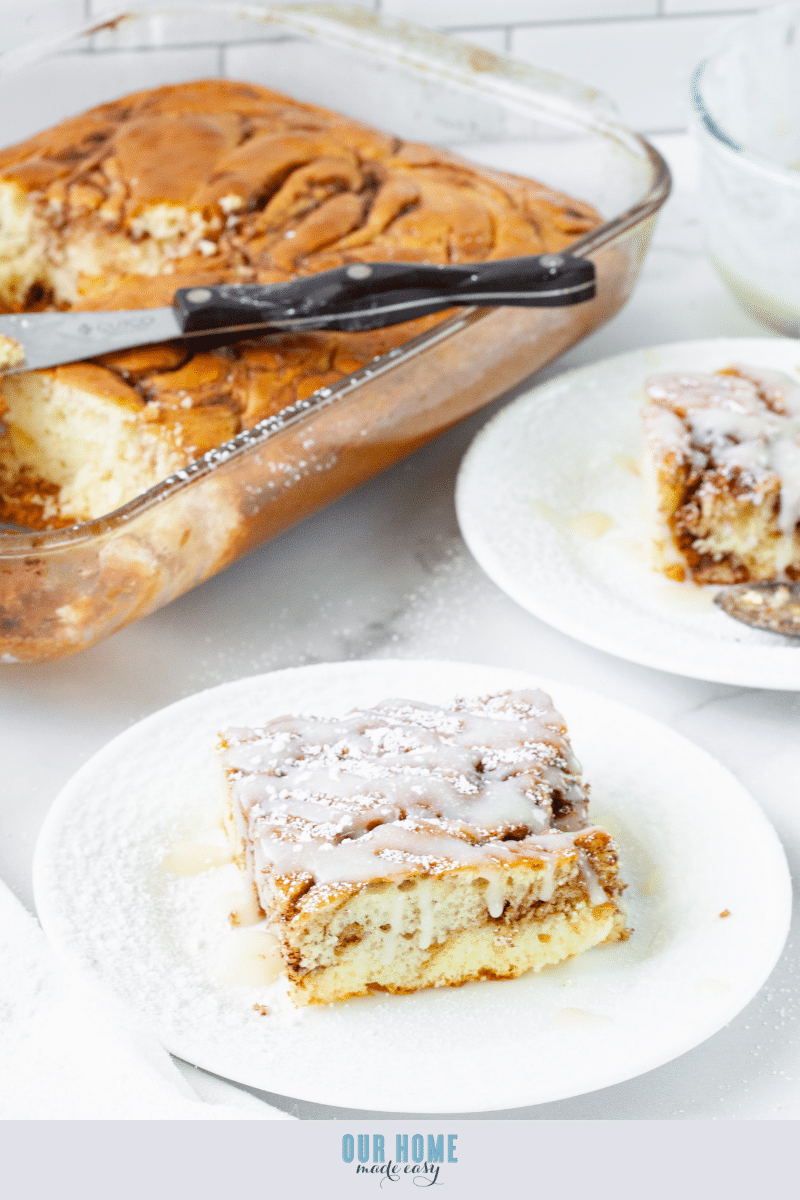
384, 573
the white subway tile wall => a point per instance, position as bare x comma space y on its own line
645, 66
23, 20
51, 90
640, 52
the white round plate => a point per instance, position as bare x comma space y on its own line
693, 844
550, 471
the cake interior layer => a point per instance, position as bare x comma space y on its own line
490, 950
82, 436
403, 934
727, 537
444, 929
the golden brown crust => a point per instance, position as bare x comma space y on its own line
89, 377
27, 501
278, 166
262, 188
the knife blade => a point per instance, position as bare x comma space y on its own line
357, 297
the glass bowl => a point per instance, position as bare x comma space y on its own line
746, 99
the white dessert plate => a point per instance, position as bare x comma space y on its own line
693, 846
551, 505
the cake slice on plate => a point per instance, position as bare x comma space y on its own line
722, 469
409, 846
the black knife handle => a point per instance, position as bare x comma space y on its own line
373, 295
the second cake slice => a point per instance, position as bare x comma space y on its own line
722, 470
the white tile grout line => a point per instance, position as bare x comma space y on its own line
636, 19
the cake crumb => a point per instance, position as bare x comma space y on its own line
12, 353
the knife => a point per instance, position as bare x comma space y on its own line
356, 297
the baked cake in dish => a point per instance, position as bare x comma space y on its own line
205, 183
410, 846
722, 471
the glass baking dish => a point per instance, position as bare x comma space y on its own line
63, 590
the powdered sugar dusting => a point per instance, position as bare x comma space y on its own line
406, 785
163, 942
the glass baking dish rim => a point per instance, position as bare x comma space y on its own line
38, 542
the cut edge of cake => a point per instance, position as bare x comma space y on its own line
721, 471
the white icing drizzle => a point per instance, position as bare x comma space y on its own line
745, 423
595, 889
495, 893
407, 789
548, 885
